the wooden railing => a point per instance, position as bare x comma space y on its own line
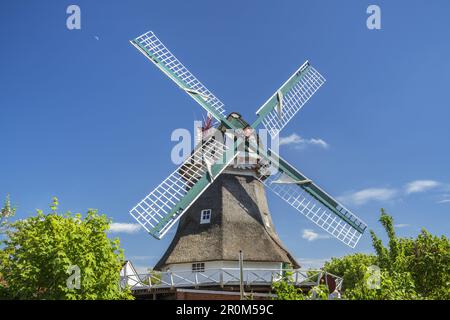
228, 277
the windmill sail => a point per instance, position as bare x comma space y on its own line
289, 99
162, 208
311, 201
151, 47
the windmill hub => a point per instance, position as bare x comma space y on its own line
239, 124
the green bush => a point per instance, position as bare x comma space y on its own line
39, 251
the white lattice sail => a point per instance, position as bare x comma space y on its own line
346, 226
157, 52
290, 98
162, 208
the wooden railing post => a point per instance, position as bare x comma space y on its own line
221, 277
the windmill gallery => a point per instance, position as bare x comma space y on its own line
218, 195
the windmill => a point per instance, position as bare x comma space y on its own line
211, 164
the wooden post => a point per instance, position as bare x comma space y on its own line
241, 274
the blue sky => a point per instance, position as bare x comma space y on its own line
83, 116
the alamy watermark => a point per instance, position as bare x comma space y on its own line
374, 277
373, 22
73, 21
74, 279
250, 143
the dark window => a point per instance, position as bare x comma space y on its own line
198, 267
205, 216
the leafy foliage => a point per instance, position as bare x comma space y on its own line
285, 290
393, 286
319, 292
409, 268
351, 268
7, 211
40, 250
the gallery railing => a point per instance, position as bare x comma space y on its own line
229, 277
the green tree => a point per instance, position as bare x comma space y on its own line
428, 259
40, 253
409, 268
285, 290
424, 260
393, 286
351, 268
7, 212
319, 292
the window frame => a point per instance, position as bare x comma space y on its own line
198, 267
204, 220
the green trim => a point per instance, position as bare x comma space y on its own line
182, 85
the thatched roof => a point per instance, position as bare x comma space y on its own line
240, 221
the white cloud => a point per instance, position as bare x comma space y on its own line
318, 142
421, 186
401, 225
292, 139
370, 194
300, 142
310, 235
124, 227
385, 194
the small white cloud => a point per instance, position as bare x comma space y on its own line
367, 195
292, 139
401, 225
444, 201
319, 142
124, 227
421, 186
301, 143
310, 235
